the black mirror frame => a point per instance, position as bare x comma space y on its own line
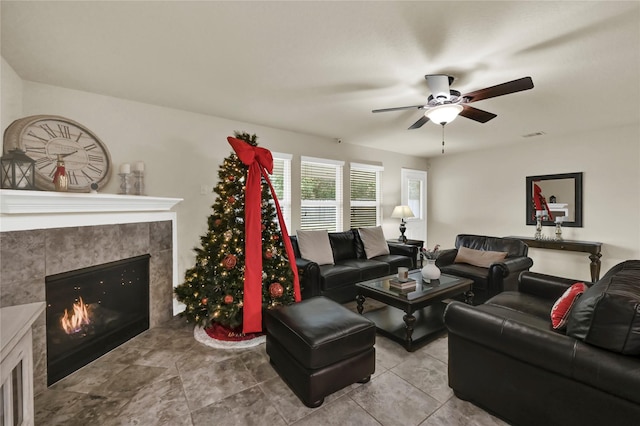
577, 177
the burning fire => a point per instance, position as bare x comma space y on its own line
72, 322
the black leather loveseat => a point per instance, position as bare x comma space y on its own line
350, 266
504, 355
493, 278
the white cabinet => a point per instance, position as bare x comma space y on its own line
16, 364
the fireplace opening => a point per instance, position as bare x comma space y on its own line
93, 310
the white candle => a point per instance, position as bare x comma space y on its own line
125, 168
139, 166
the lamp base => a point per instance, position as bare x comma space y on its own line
403, 228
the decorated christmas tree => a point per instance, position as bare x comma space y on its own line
214, 290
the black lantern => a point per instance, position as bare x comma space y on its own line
18, 170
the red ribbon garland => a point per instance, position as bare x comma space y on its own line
260, 163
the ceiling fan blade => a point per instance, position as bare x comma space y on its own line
514, 86
398, 108
419, 123
476, 114
439, 85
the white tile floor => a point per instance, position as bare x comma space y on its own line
165, 377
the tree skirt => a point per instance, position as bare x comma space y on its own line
220, 337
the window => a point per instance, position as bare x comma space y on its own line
366, 195
321, 194
281, 181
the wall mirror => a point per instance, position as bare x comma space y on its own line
563, 194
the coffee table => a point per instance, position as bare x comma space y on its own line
412, 318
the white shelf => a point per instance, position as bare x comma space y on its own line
27, 210
47, 202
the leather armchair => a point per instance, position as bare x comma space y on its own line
499, 276
505, 357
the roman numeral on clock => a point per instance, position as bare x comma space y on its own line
64, 131
94, 169
49, 130
95, 158
89, 178
30, 133
73, 180
36, 149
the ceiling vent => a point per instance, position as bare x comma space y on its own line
534, 134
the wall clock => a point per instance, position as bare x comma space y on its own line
44, 137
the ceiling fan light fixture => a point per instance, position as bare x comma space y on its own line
443, 114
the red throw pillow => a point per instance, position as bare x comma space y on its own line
562, 307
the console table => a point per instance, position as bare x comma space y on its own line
591, 247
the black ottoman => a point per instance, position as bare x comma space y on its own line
318, 347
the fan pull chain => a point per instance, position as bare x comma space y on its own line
443, 138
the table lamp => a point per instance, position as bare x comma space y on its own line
402, 212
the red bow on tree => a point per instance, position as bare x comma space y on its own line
260, 163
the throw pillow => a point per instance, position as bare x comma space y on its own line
315, 246
607, 315
374, 242
562, 307
482, 258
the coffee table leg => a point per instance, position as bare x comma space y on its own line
360, 301
409, 321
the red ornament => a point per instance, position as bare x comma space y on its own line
276, 290
231, 199
274, 237
231, 178
229, 261
228, 299
268, 254
204, 300
217, 222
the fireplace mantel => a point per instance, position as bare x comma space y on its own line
24, 210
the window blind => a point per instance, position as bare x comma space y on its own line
321, 194
365, 195
281, 181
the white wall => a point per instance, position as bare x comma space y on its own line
183, 150
483, 192
10, 95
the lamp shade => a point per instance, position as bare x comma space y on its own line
402, 212
443, 114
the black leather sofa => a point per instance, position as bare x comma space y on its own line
499, 276
505, 357
351, 266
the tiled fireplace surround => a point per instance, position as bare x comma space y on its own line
45, 244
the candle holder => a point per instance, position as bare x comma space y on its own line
138, 182
538, 234
125, 185
558, 235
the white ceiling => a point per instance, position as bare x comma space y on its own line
321, 67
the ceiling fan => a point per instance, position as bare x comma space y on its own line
444, 104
